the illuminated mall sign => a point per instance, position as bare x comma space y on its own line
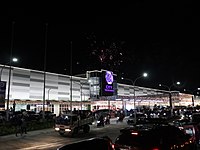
107, 80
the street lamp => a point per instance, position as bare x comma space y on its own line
9, 77
133, 83
170, 94
14, 60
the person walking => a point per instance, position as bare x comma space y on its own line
17, 124
23, 125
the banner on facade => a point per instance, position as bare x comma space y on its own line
2, 94
107, 80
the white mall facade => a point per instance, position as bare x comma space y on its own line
27, 92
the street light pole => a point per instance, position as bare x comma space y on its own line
134, 97
81, 97
9, 76
14, 60
144, 75
44, 87
71, 77
170, 95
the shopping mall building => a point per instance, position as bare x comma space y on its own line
98, 89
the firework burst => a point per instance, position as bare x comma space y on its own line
108, 54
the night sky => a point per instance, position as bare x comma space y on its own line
161, 39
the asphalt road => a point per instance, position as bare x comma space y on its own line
48, 139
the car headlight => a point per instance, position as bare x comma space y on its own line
67, 130
57, 129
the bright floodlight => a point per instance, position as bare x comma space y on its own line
145, 74
160, 84
178, 83
14, 59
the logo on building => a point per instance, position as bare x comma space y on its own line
107, 83
109, 77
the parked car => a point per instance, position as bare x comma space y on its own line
192, 129
196, 117
139, 118
47, 114
97, 143
104, 119
154, 137
180, 122
32, 115
110, 112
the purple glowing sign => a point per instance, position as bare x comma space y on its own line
109, 80
109, 77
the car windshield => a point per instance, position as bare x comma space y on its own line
66, 119
189, 131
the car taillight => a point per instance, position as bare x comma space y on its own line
155, 148
113, 146
134, 133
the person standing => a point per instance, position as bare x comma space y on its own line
17, 124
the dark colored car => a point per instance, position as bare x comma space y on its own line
97, 143
110, 112
180, 122
32, 115
154, 137
47, 114
104, 119
193, 130
140, 117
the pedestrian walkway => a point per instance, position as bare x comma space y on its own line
43, 131
29, 133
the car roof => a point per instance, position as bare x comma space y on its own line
142, 127
150, 138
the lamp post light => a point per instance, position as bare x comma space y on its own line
13, 59
9, 78
134, 99
170, 94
